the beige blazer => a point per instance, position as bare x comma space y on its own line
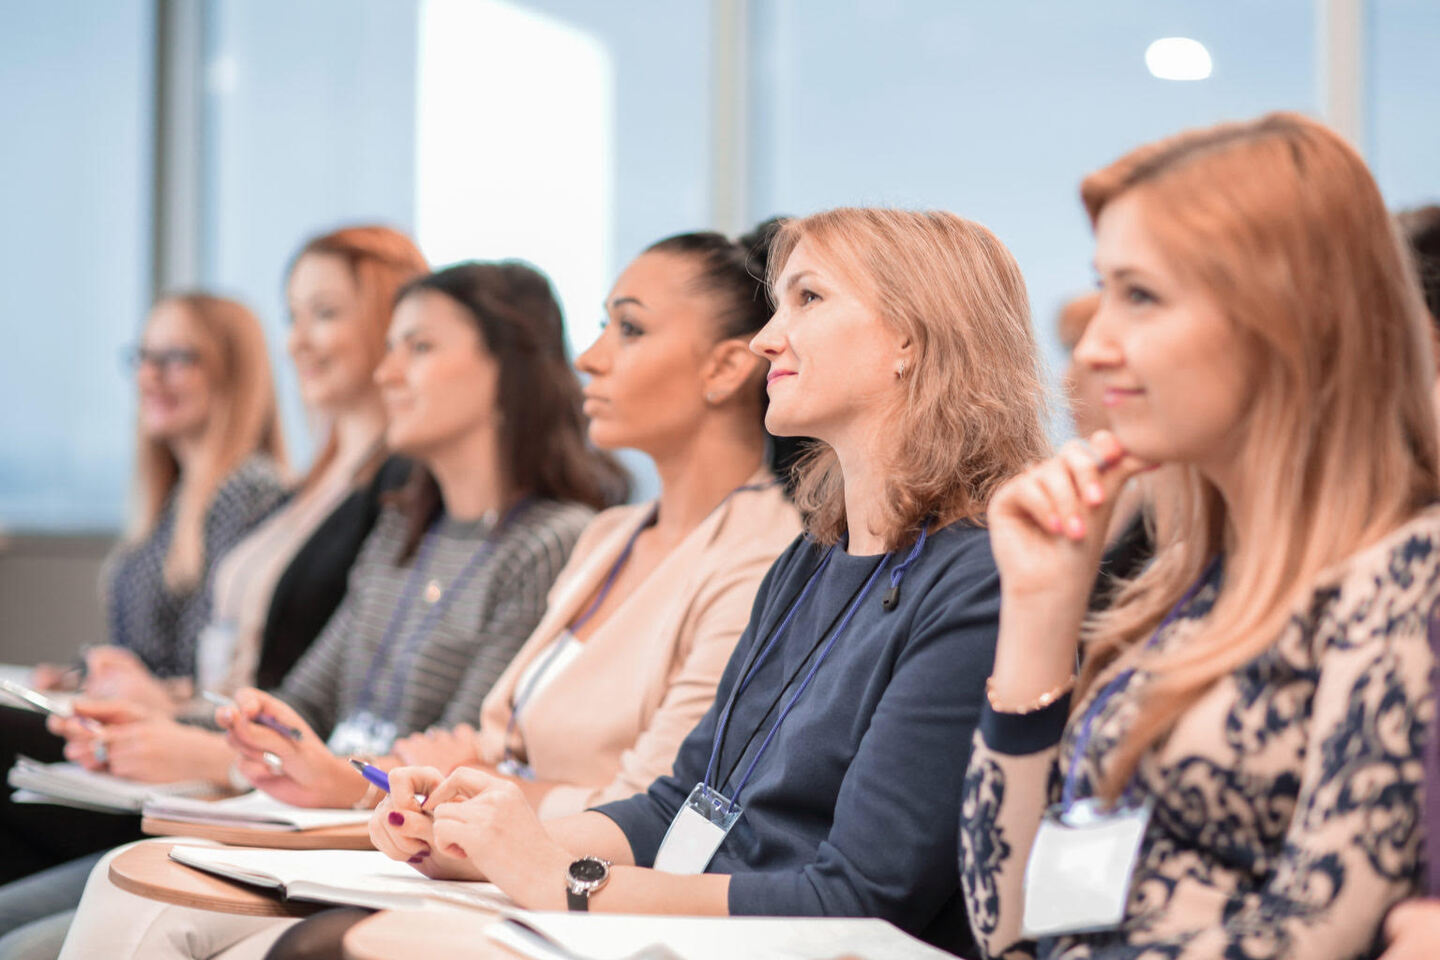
612, 721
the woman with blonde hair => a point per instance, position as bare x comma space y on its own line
902, 342
1238, 770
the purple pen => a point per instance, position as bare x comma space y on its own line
264, 719
372, 773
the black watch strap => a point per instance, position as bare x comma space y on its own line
577, 901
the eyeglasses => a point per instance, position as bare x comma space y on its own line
165, 362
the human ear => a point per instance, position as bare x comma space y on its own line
728, 368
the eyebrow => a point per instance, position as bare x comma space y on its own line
795, 278
625, 301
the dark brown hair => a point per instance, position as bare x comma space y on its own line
543, 443
1421, 227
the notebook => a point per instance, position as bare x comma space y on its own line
609, 936
362, 878
253, 810
71, 785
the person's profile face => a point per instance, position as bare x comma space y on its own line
438, 381
832, 358
175, 392
1173, 371
328, 340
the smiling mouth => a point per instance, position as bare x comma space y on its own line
1113, 396
778, 374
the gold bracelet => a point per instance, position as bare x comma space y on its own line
1039, 703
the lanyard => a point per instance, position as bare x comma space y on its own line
567, 636
1117, 682
431, 618
764, 651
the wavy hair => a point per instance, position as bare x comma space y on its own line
1279, 219
973, 411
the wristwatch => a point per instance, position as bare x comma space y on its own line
584, 877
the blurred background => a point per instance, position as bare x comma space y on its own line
148, 145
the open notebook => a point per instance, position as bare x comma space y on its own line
71, 785
362, 878
253, 810
608, 936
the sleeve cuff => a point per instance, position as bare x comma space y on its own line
633, 819
1019, 734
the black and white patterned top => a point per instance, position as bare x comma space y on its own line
439, 675
144, 615
1288, 799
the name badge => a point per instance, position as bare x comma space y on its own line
214, 651
1078, 875
697, 831
362, 733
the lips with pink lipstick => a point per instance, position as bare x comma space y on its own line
777, 375
1114, 396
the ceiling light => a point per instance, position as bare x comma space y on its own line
1178, 58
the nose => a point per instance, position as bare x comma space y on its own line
769, 341
387, 371
596, 358
1099, 347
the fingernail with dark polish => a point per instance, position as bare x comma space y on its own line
396, 818
416, 859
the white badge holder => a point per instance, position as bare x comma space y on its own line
1078, 875
701, 825
362, 733
214, 651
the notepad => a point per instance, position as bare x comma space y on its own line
608, 936
253, 810
71, 785
362, 878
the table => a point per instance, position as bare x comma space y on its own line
146, 870
392, 934
352, 836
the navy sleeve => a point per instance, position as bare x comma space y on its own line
645, 817
890, 850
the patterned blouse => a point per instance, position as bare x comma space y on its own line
145, 615
1288, 800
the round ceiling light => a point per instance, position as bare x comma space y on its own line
1178, 58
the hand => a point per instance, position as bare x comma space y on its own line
161, 750
91, 726
487, 821
402, 830
445, 750
1413, 929
1048, 525
114, 673
310, 775
55, 676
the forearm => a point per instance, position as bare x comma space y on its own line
1037, 645
592, 834
638, 890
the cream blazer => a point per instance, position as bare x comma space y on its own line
612, 721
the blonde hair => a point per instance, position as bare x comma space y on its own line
381, 260
1281, 222
972, 415
242, 422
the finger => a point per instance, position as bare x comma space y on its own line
398, 835
456, 837
1054, 477
463, 783
409, 784
1085, 464
253, 738
1028, 498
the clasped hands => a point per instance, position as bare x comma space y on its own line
471, 825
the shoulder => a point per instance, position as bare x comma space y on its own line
256, 485
1388, 589
542, 537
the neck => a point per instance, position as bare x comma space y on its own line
470, 477
696, 476
185, 450
863, 470
356, 429
1228, 480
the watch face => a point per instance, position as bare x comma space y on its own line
587, 870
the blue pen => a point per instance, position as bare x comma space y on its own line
264, 719
372, 773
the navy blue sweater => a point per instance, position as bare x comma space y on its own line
853, 809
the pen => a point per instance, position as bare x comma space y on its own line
264, 719
372, 773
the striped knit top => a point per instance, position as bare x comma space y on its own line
436, 667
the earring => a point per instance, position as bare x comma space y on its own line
712, 397
900, 370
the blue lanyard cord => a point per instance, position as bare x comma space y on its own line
615, 569
432, 616
800, 691
1118, 682
723, 723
